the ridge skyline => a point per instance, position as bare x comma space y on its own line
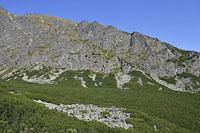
177, 31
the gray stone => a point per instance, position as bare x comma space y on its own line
41, 40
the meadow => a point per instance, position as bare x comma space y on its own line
151, 109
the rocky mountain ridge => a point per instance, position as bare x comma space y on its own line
39, 40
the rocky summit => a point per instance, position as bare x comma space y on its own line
39, 40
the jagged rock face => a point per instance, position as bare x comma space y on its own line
161, 59
41, 40
194, 63
150, 55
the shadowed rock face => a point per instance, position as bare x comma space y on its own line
35, 39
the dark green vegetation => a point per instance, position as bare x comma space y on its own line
185, 57
169, 79
104, 113
186, 75
151, 109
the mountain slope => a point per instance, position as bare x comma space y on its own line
41, 40
64, 62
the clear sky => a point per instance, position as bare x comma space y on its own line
173, 21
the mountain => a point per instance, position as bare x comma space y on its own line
40, 40
61, 61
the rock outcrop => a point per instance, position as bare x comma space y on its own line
39, 40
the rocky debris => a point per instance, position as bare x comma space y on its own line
151, 83
7, 72
188, 84
121, 79
155, 128
83, 83
11, 92
184, 83
2, 71
181, 84
42, 79
112, 116
193, 66
93, 77
35, 74
168, 85
140, 81
34, 79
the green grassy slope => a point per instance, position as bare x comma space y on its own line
170, 111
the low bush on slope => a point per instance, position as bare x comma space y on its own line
179, 108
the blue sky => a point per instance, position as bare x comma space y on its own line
173, 21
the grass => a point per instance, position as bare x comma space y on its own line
181, 61
21, 112
170, 111
84, 111
104, 113
169, 79
186, 75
